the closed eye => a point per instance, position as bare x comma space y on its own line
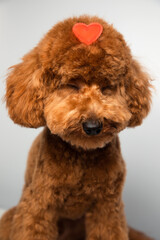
108, 89
75, 87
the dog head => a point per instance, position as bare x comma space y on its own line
85, 94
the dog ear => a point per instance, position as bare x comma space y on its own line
25, 93
138, 90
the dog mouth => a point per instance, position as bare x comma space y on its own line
94, 128
89, 133
92, 134
88, 142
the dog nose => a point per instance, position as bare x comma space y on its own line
92, 127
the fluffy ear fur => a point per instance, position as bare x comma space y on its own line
138, 90
25, 93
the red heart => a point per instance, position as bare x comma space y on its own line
87, 33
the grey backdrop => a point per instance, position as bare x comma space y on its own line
22, 24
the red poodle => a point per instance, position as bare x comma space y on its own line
82, 83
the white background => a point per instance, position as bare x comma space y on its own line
22, 24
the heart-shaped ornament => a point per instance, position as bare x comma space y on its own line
87, 33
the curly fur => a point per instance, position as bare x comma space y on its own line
74, 182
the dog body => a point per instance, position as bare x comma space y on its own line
78, 180
70, 192
84, 95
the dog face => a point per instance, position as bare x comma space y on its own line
85, 94
87, 108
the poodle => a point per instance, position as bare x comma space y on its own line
82, 83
